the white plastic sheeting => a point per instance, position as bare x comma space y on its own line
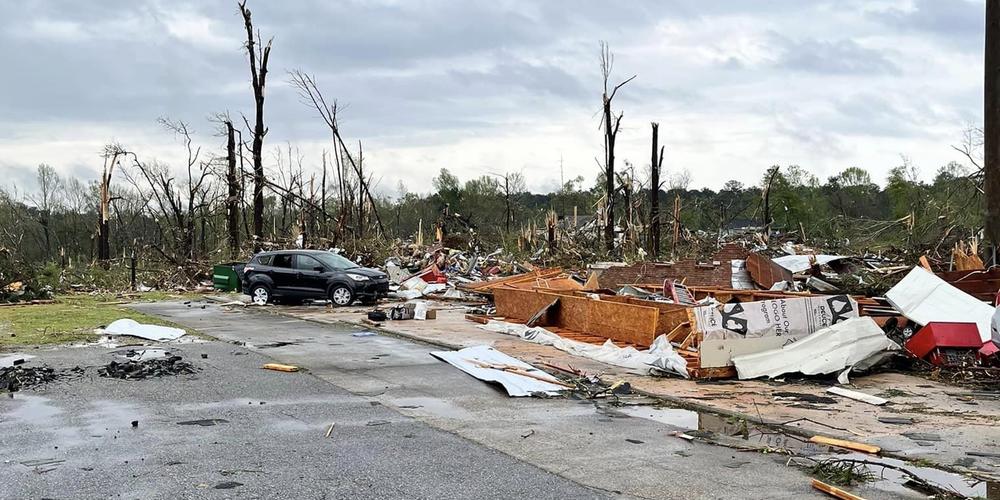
923, 297
133, 328
659, 359
471, 360
838, 347
800, 263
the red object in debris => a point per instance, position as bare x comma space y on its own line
937, 341
988, 349
433, 275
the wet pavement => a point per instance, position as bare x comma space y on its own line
233, 430
630, 451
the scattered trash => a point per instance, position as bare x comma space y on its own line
227, 485
364, 334
329, 430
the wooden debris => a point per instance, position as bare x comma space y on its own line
834, 491
280, 367
542, 313
967, 257
850, 445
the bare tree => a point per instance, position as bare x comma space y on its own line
257, 54
178, 205
655, 164
611, 124
235, 195
310, 94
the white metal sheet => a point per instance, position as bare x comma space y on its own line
923, 297
471, 360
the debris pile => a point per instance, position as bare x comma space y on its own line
15, 378
762, 312
137, 370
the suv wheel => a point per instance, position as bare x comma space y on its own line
260, 295
341, 295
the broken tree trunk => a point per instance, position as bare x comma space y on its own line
991, 130
655, 163
766, 223
258, 77
104, 207
233, 200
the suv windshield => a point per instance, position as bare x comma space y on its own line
333, 260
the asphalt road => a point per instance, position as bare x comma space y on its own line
406, 426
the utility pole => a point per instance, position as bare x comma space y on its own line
991, 129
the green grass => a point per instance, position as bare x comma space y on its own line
72, 318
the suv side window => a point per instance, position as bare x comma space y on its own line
282, 260
306, 263
264, 260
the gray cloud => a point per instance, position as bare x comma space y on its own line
953, 22
437, 73
834, 57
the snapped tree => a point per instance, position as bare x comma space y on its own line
257, 54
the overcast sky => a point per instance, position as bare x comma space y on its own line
496, 86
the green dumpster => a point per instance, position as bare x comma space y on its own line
226, 278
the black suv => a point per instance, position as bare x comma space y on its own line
294, 275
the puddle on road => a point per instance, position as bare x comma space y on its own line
430, 406
36, 410
724, 430
894, 480
685, 419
